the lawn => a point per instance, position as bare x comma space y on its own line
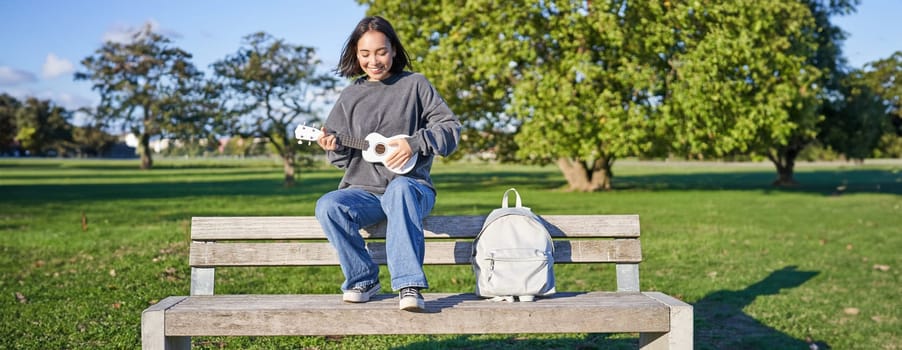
88, 244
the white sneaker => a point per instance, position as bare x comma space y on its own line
412, 300
361, 294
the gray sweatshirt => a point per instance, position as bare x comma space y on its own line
403, 104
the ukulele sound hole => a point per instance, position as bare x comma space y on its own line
380, 148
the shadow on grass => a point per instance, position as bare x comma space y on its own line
161, 175
133, 164
188, 182
591, 341
164, 190
832, 181
721, 322
827, 181
476, 180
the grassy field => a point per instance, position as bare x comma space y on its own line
85, 246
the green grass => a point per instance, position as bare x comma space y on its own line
764, 267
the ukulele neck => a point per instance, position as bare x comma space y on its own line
352, 142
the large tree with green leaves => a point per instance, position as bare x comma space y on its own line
272, 86
461, 48
744, 81
147, 87
583, 83
830, 63
546, 82
587, 96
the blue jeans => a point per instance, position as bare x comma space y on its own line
404, 205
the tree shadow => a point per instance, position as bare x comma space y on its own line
164, 189
827, 181
831, 182
545, 179
186, 181
721, 323
515, 341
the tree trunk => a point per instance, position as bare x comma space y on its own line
288, 166
785, 161
785, 176
581, 178
144, 152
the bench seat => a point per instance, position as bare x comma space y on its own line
326, 314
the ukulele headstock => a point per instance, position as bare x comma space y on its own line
307, 133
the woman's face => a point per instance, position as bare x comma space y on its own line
375, 55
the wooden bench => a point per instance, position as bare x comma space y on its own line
662, 322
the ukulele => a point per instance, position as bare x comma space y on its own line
374, 146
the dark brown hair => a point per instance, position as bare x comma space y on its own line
348, 66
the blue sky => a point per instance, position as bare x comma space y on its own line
43, 41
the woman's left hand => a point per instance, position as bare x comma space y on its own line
400, 156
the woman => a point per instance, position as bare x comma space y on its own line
383, 99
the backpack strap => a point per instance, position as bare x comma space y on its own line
504, 199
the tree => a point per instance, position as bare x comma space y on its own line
547, 82
145, 86
743, 83
884, 77
855, 118
8, 129
462, 51
43, 129
91, 141
271, 85
586, 97
751, 77
828, 60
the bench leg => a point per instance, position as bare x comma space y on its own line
681, 326
169, 343
153, 327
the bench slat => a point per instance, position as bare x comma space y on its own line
205, 254
325, 314
306, 227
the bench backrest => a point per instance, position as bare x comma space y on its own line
299, 241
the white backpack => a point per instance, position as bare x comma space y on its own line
513, 255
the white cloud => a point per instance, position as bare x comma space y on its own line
10, 76
123, 33
120, 34
55, 67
